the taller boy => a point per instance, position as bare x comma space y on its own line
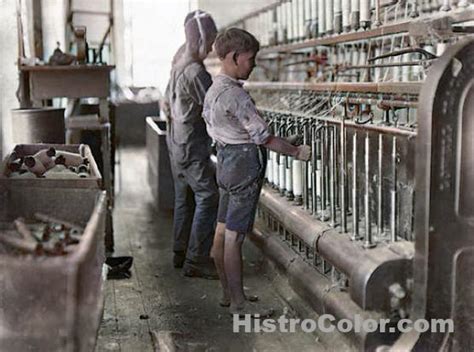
196, 193
241, 133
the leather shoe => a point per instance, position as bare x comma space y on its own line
178, 259
202, 270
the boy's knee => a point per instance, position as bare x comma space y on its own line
234, 237
220, 230
216, 253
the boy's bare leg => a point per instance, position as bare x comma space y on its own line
233, 267
217, 253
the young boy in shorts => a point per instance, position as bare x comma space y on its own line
241, 135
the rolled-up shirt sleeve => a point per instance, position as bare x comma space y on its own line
253, 123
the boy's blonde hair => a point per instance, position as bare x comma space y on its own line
235, 39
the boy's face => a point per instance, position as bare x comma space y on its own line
211, 37
245, 64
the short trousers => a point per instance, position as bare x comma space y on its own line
240, 174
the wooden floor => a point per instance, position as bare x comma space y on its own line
158, 299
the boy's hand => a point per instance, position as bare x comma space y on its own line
165, 108
303, 153
295, 139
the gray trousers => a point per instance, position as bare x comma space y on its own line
195, 210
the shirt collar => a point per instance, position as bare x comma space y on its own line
231, 80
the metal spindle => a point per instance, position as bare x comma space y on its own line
368, 226
332, 173
305, 169
322, 173
377, 22
343, 177
380, 187
393, 193
314, 195
355, 200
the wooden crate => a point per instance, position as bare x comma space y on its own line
160, 178
53, 303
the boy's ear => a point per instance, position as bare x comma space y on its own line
234, 57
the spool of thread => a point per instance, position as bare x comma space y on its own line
276, 171
281, 23
297, 178
318, 179
70, 159
337, 16
301, 20
321, 17
82, 168
289, 177
309, 178
365, 14
46, 156
83, 171
355, 14
289, 22
308, 33
329, 16
282, 175
270, 167
294, 15
346, 15
15, 165
314, 17
35, 166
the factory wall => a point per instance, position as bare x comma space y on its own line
226, 11
54, 26
8, 70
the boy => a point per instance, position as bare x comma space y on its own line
240, 133
196, 193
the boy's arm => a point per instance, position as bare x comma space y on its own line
165, 103
258, 131
280, 145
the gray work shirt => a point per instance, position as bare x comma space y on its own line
231, 115
187, 133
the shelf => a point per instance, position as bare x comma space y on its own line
364, 87
459, 15
71, 81
62, 68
